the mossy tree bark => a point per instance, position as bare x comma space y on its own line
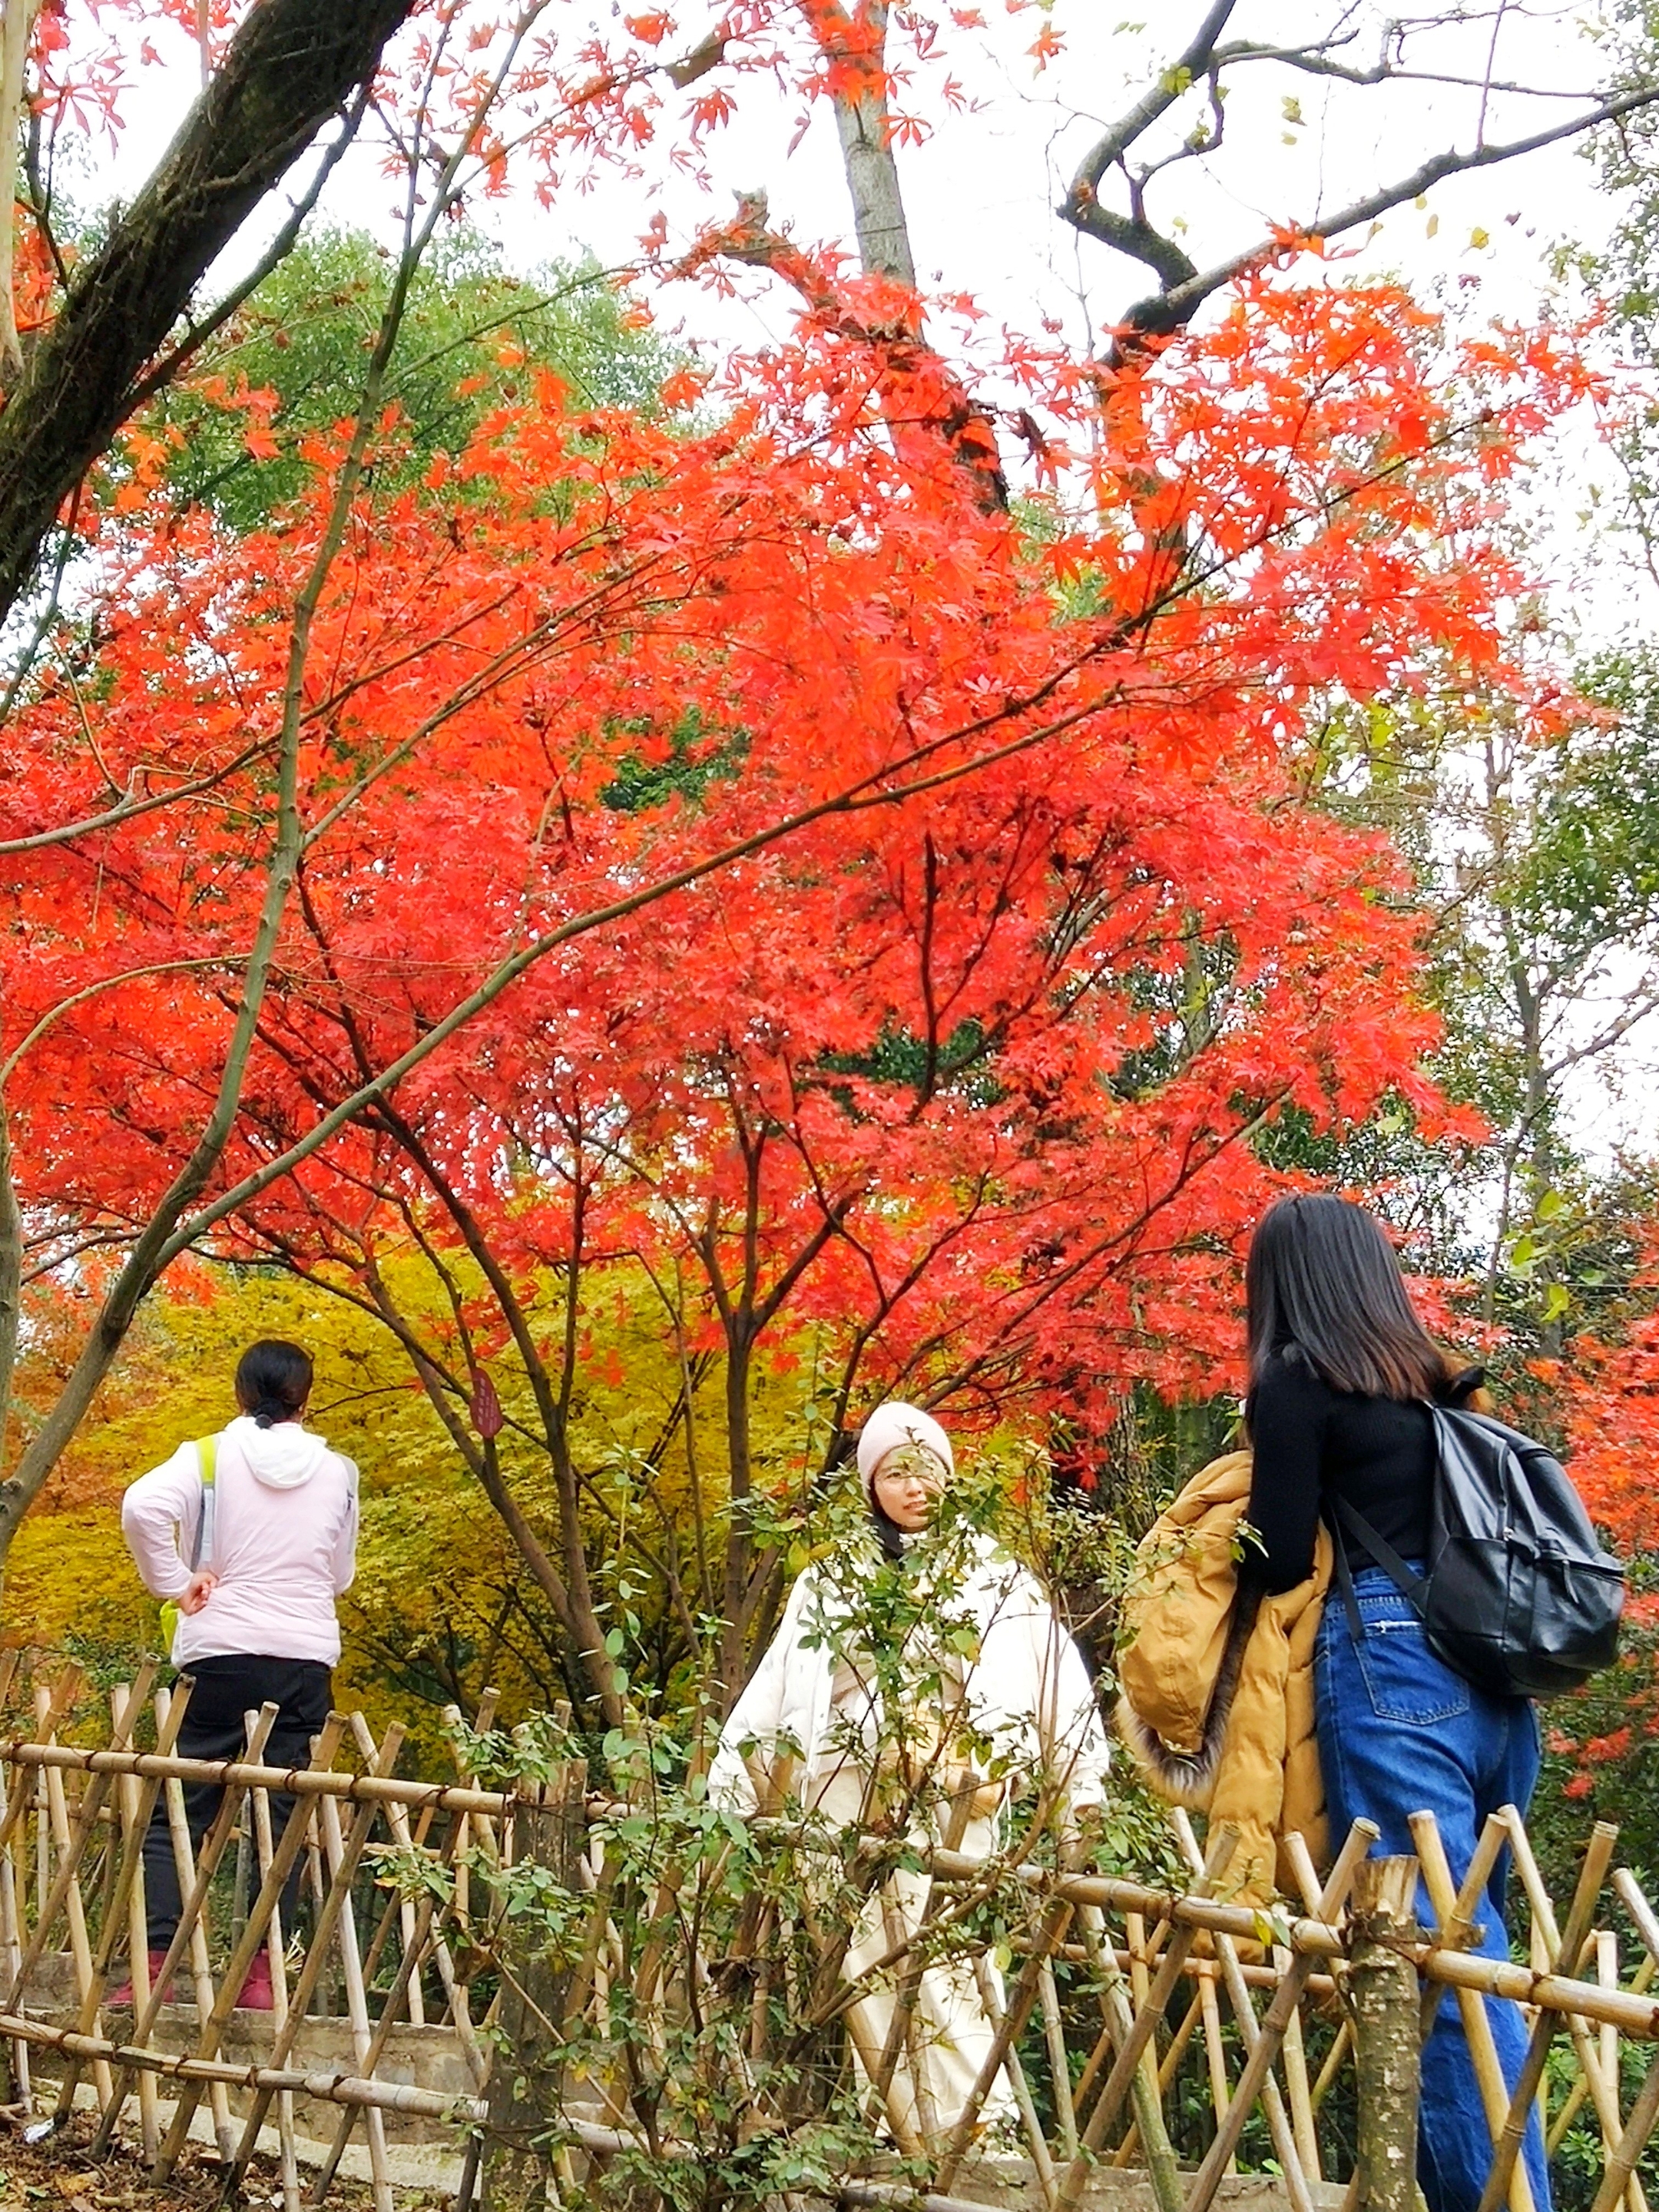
291, 65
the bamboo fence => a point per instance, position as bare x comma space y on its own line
1164, 2027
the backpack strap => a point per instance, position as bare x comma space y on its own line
1410, 1586
207, 1456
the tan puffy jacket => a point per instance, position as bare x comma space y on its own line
1217, 1704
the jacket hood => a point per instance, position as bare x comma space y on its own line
282, 1456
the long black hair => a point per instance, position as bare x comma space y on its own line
273, 1381
889, 1535
1322, 1281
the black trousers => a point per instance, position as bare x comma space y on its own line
303, 1690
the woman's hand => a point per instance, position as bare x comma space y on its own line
199, 1590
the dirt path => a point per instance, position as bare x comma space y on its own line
59, 2176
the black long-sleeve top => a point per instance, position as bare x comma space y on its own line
1312, 1442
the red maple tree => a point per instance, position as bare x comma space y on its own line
729, 853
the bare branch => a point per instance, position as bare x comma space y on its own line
130, 809
9, 1065
1183, 287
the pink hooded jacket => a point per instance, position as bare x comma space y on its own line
285, 1546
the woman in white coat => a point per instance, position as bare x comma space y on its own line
918, 1684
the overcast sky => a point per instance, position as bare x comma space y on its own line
981, 187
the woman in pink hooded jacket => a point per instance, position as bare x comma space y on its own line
257, 1622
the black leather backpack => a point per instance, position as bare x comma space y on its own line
1519, 1596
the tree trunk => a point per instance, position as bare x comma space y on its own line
11, 1277
739, 1540
526, 2079
929, 399
1387, 2047
865, 128
293, 65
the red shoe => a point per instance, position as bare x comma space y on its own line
123, 1995
256, 1988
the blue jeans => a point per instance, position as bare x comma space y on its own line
1400, 1733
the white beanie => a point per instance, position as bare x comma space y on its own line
893, 1424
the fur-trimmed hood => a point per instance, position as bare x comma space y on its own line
1218, 1699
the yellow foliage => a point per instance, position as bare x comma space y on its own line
442, 1605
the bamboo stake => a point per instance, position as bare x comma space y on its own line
1647, 1927
1110, 2102
11, 1938
1454, 1909
1106, 1958
398, 1821
137, 1930
1458, 1925
1643, 1916
334, 1850
1144, 1957
1621, 2161
1272, 2104
71, 1840
193, 1904
1221, 2095
1579, 2093
1305, 2111
1603, 2094
1603, 1837
1295, 2057
901, 2031
339, 1890
379, 1940
1124, 2154
1333, 2066
184, 1861
65, 1892
1140, 1979
42, 1844
1040, 2158
1022, 1996
1127, 2065
454, 1989
1264, 2044
126, 1897
1611, 2114
260, 1800
1182, 2036
60, 1696
1098, 1956
430, 1913
401, 1834
1146, 2086
241, 1880
241, 1957
869, 2054
315, 1887
1059, 2069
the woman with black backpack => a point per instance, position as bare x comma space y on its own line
1343, 1377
